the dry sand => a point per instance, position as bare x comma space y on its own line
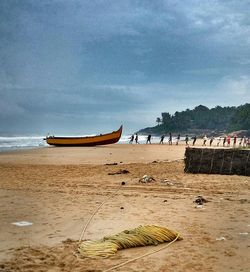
58, 189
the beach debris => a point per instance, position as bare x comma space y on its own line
165, 200
155, 161
146, 179
122, 208
114, 163
221, 238
199, 207
172, 183
22, 223
243, 233
68, 241
123, 183
125, 171
167, 182
140, 236
200, 200
229, 252
244, 200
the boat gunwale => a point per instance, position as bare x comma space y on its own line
85, 137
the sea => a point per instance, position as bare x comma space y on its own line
27, 142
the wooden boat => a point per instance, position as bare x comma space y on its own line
102, 139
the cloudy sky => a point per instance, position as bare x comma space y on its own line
80, 66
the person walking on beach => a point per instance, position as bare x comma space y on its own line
148, 139
244, 141
194, 140
162, 138
240, 143
235, 140
228, 140
131, 139
211, 141
224, 140
178, 139
136, 138
170, 139
204, 140
218, 143
186, 139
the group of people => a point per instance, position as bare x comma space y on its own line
225, 141
135, 137
148, 140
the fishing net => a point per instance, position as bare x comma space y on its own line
140, 236
232, 161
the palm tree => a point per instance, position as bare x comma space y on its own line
158, 120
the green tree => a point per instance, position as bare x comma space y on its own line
158, 120
241, 119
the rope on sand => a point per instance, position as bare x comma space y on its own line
142, 256
140, 236
98, 208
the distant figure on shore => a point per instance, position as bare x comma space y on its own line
136, 138
131, 139
186, 139
162, 139
204, 140
244, 141
178, 139
224, 140
240, 142
148, 139
211, 141
218, 142
235, 140
170, 139
194, 140
228, 140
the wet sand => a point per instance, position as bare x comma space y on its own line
58, 189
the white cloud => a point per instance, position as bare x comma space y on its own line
239, 86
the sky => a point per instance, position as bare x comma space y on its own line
76, 66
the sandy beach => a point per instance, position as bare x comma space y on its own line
58, 189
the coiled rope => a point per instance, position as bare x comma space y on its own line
140, 236
142, 256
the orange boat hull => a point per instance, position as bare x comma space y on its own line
102, 139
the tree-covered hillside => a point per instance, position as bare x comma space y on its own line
216, 120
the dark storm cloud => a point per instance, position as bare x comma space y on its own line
118, 61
